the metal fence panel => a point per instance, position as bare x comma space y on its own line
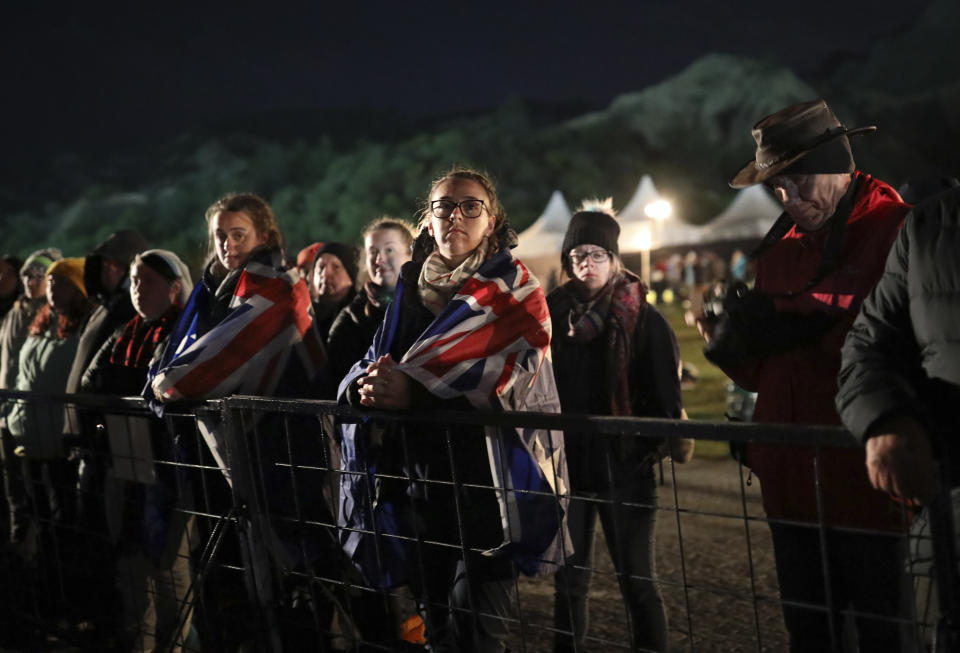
246, 492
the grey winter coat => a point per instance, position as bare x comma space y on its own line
902, 355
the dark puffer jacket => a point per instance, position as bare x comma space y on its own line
902, 355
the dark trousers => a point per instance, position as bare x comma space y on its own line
629, 530
866, 574
465, 601
14, 486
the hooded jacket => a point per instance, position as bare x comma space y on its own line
115, 307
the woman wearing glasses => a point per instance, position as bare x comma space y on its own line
468, 330
613, 354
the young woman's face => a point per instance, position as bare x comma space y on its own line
150, 292
457, 236
61, 293
591, 266
234, 237
386, 252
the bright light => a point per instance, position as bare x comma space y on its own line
642, 240
659, 210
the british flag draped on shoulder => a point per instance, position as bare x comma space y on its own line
248, 351
491, 345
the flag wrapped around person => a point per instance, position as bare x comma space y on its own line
491, 345
248, 351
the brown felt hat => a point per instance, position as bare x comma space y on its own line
804, 138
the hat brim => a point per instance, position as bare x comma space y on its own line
750, 174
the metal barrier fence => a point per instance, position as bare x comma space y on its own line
214, 528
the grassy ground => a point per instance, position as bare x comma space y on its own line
705, 400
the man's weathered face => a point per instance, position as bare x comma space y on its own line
809, 199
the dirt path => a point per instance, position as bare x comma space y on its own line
709, 591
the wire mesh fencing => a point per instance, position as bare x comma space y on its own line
225, 525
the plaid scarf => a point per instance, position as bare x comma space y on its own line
614, 311
141, 339
586, 320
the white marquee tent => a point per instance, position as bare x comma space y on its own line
639, 231
750, 215
545, 236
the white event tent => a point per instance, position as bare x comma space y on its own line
750, 215
638, 231
545, 236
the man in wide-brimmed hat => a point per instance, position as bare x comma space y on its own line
782, 339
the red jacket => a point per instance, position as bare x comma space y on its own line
799, 386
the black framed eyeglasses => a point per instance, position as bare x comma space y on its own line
595, 255
469, 208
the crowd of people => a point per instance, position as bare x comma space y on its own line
448, 319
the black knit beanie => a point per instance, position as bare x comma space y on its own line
347, 254
591, 228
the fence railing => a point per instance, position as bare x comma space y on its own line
215, 527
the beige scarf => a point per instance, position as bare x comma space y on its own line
438, 283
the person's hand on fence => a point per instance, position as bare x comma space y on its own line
900, 460
385, 386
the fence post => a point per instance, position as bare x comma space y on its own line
256, 534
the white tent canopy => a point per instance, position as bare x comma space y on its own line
638, 231
750, 215
545, 236
645, 194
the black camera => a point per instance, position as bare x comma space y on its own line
748, 326
715, 299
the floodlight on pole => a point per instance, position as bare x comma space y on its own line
658, 210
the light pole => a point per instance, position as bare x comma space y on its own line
643, 243
658, 211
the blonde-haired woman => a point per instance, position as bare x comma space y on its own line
613, 354
387, 245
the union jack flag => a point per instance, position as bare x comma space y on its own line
490, 344
248, 351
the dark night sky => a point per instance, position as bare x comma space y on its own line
102, 75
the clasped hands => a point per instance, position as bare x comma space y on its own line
384, 385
